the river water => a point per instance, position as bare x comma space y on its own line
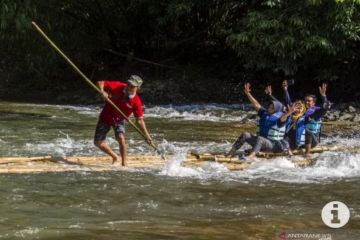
175, 202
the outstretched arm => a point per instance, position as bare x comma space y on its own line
140, 122
253, 101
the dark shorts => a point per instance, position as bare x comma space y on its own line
311, 138
102, 129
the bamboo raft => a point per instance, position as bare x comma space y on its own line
103, 163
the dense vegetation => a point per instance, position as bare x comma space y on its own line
206, 48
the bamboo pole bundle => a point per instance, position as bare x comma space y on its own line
103, 163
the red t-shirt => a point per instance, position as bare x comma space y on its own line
109, 115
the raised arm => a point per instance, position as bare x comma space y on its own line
268, 92
287, 98
326, 104
253, 101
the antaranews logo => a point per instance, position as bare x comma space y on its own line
304, 235
335, 214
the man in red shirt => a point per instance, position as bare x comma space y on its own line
125, 97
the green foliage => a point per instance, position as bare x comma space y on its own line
15, 17
319, 38
287, 36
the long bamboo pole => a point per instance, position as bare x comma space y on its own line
93, 85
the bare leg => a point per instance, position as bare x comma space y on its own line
307, 150
123, 149
311, 141
106, 149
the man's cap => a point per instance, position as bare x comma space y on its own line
135, 81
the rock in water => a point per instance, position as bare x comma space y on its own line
356, 118
329, 116
346, 116
351, 109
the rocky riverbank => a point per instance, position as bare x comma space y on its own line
344, 112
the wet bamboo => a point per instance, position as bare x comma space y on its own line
103, 164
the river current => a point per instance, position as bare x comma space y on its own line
175, 202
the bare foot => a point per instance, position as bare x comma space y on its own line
250, 157
290, 153
231, 153
116, 161
307, 155
117, 165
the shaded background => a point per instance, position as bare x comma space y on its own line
207, 48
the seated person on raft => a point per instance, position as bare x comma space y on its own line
304, 124
270, 136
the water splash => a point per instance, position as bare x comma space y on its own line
60, 147
329, 166
173, 168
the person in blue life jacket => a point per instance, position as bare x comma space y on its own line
293, 117
303, 129
313, 118
270, 136
292, 112
294, 120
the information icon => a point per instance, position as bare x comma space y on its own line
335, 214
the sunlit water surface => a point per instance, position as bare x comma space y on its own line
207, 202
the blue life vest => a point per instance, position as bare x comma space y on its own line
261, 125
258, 128
273, 131
267, 126
300, 131
313, 125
